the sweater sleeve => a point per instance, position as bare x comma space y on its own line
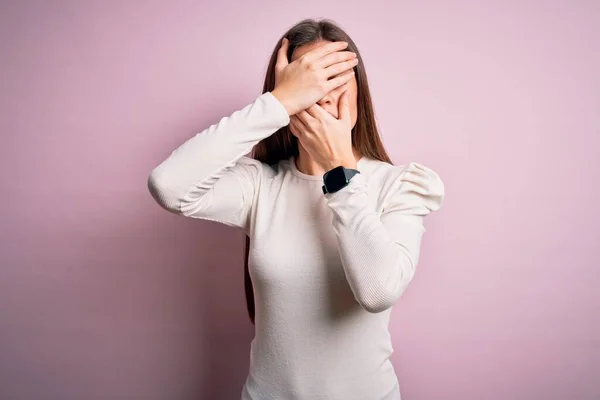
380, 252
209, 176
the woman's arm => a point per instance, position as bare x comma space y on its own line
380, 253
209, 176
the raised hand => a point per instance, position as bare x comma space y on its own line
328, 140
303, 82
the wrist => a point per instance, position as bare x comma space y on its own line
347, 163
284, 100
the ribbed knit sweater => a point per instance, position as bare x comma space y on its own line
326, 269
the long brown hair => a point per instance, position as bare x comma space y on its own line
283, 144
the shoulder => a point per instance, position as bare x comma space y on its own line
256, 168
412, 187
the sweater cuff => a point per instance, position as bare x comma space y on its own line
282, 115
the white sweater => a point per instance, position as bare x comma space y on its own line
326, 269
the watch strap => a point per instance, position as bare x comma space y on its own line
348, 173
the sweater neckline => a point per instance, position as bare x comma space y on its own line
294, 169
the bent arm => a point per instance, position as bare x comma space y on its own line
209, 176
380, 253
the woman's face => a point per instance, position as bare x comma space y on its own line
330, 102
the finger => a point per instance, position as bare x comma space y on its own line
305, 117
340, 67
338, 81
316, 111
346, 74
298, 125
293, 126
294, 119
344, 107
323, 50
282, 59
334, 58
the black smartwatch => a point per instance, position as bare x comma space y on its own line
337, 178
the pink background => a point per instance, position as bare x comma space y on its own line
104, 295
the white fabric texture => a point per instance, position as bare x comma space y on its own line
326, 269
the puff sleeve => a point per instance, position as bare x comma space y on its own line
380, 250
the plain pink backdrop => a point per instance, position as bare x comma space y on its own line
104, 295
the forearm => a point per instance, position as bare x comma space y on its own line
377, 267
204, 158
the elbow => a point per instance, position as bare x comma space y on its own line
381, 294
160, 191
377, 303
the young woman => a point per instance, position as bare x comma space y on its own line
333, 228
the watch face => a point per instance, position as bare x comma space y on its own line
336, 179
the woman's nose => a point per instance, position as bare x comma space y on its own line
328, 102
